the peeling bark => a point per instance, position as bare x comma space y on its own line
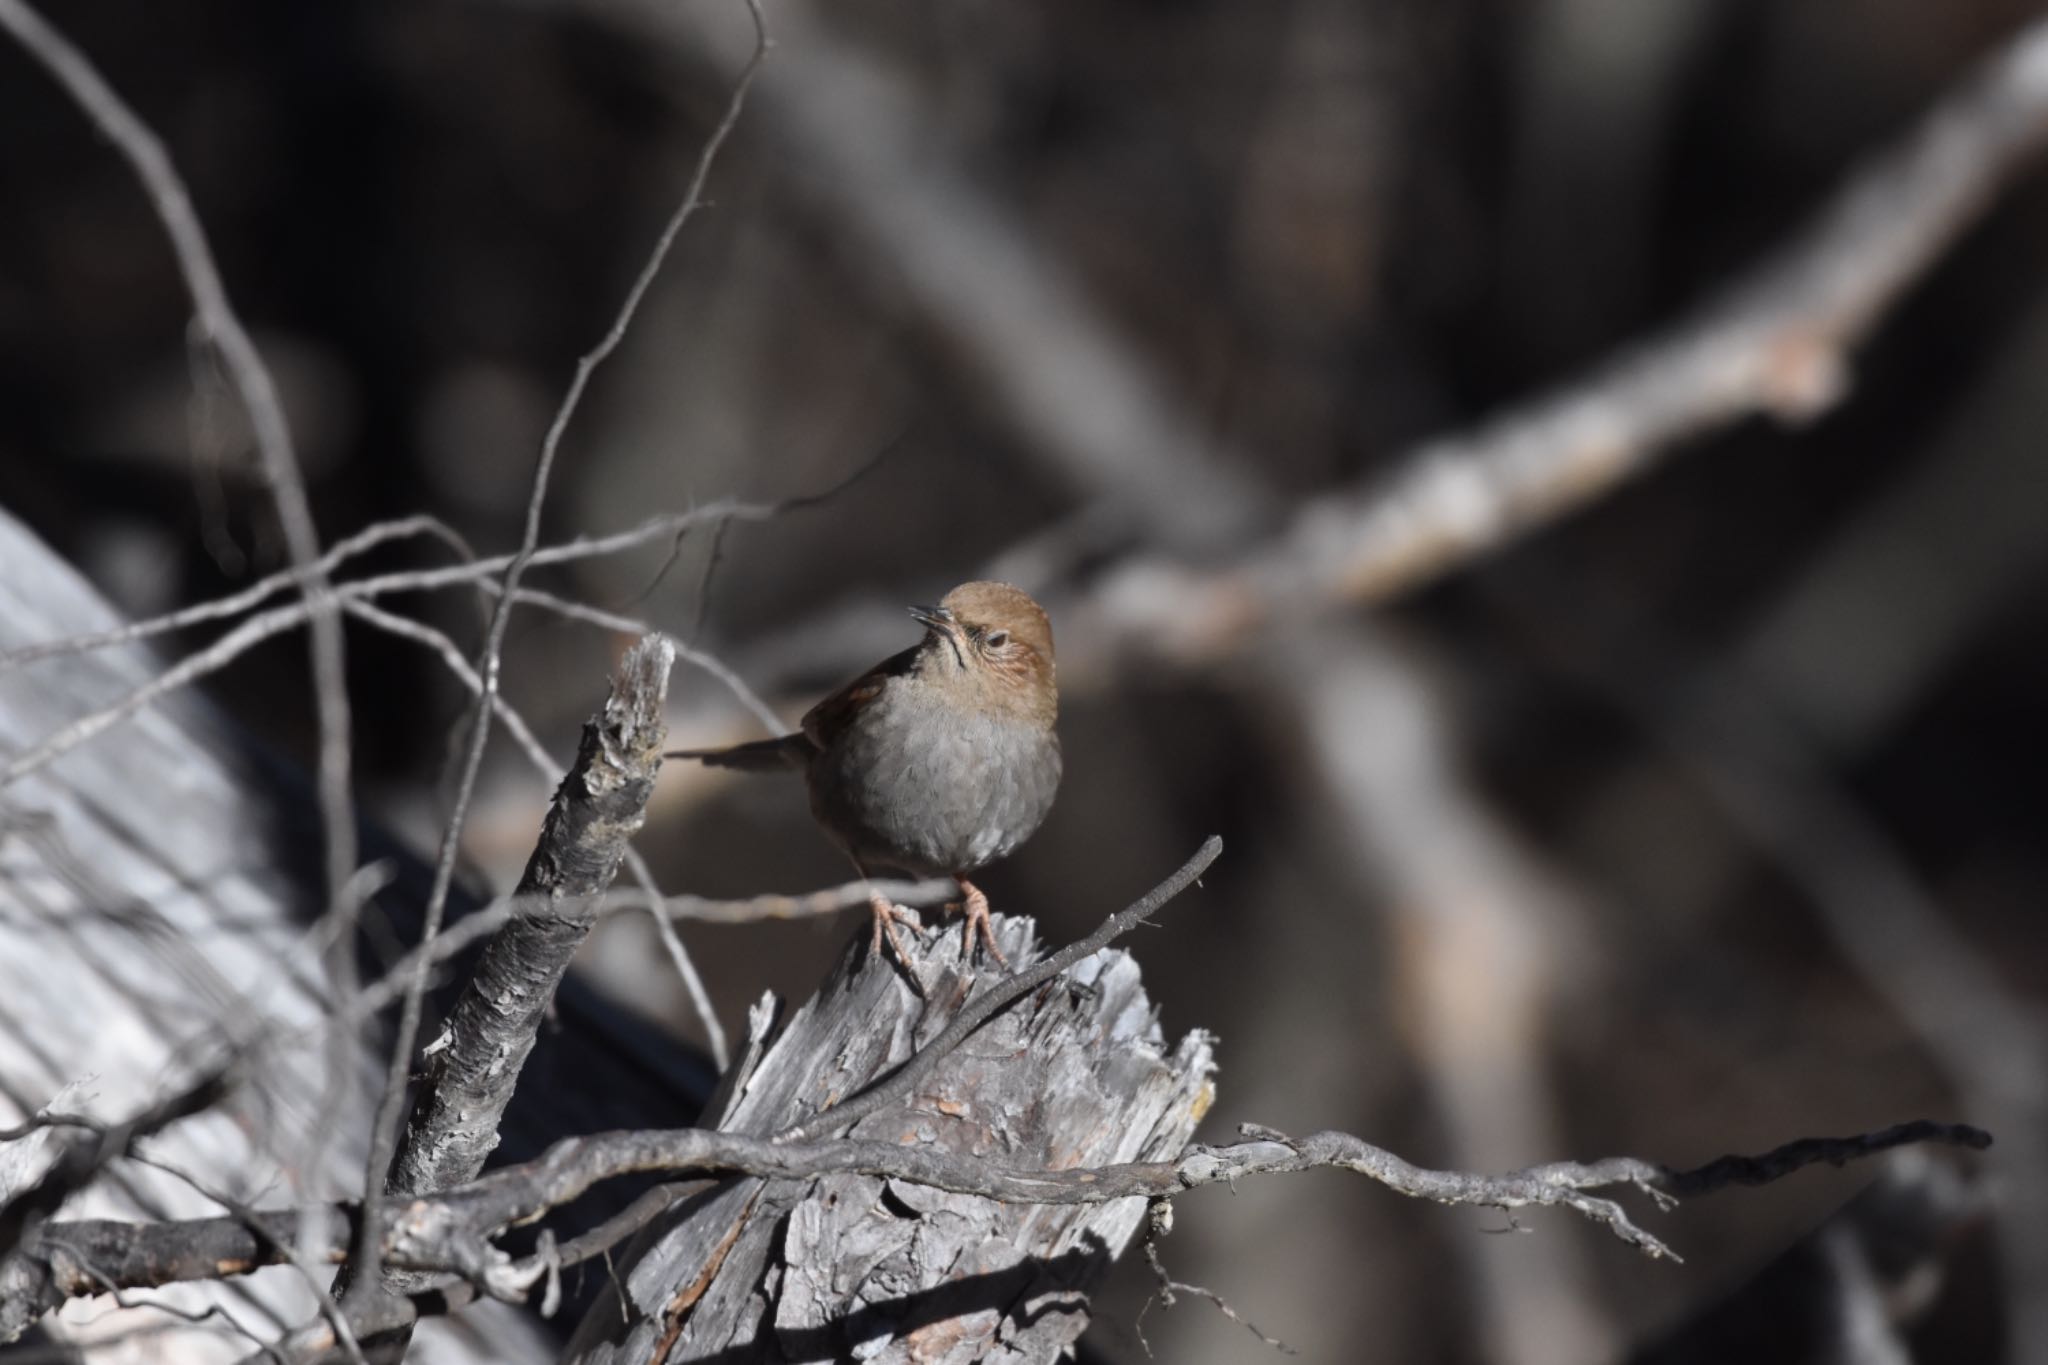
1075, 1074
476, 1063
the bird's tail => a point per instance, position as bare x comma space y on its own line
762, 755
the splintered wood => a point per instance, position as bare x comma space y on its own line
1074, 1074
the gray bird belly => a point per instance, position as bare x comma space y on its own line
936, 799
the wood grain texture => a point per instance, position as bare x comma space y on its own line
157, 883
1078, 1073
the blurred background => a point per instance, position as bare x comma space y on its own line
1705, 819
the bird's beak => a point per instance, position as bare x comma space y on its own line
938, 618
941, 620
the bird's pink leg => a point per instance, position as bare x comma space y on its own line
974, 905
887, 914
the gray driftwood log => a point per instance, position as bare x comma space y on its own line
855, 1267
158, 881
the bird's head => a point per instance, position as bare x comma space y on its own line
993, 638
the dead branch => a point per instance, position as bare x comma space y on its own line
450, 1234
475, 1064
218, 322
1777, 343
1850, 1289
384, 1150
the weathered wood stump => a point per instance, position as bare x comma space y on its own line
857, 1267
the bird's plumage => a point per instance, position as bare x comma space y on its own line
940, 759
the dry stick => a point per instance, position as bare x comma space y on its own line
709, 663
679, 958
449, 1233
285, 1248
277, 620
235, 603
189, 669
979, 1011
522, 734
1777, 343
451, 655
809, 905
218, 321
383, 1146
475, 1065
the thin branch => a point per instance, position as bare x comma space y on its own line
475, 1064
235, 603
285, 1248
384, 1148
1780, 1162
450, 1232
809, 905
217, 320
276, 621
522, 734
679, 958
1159, 1222
1777, 342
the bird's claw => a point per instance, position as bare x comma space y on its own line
887, 915
974, 906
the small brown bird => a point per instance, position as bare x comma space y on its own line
937, 761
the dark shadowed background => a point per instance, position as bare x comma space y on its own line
1527, 864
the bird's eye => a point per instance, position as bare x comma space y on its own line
996, 639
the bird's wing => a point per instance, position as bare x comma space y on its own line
830, 717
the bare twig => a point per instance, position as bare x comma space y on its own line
450, 1233
809, 905
1159, 1222
1777, 342
276, 621
1026, 333
285, 1249
235, 603
476, 1062
384, 1142
84, 1159
217, 320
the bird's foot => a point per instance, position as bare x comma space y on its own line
974, 905
887, 915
